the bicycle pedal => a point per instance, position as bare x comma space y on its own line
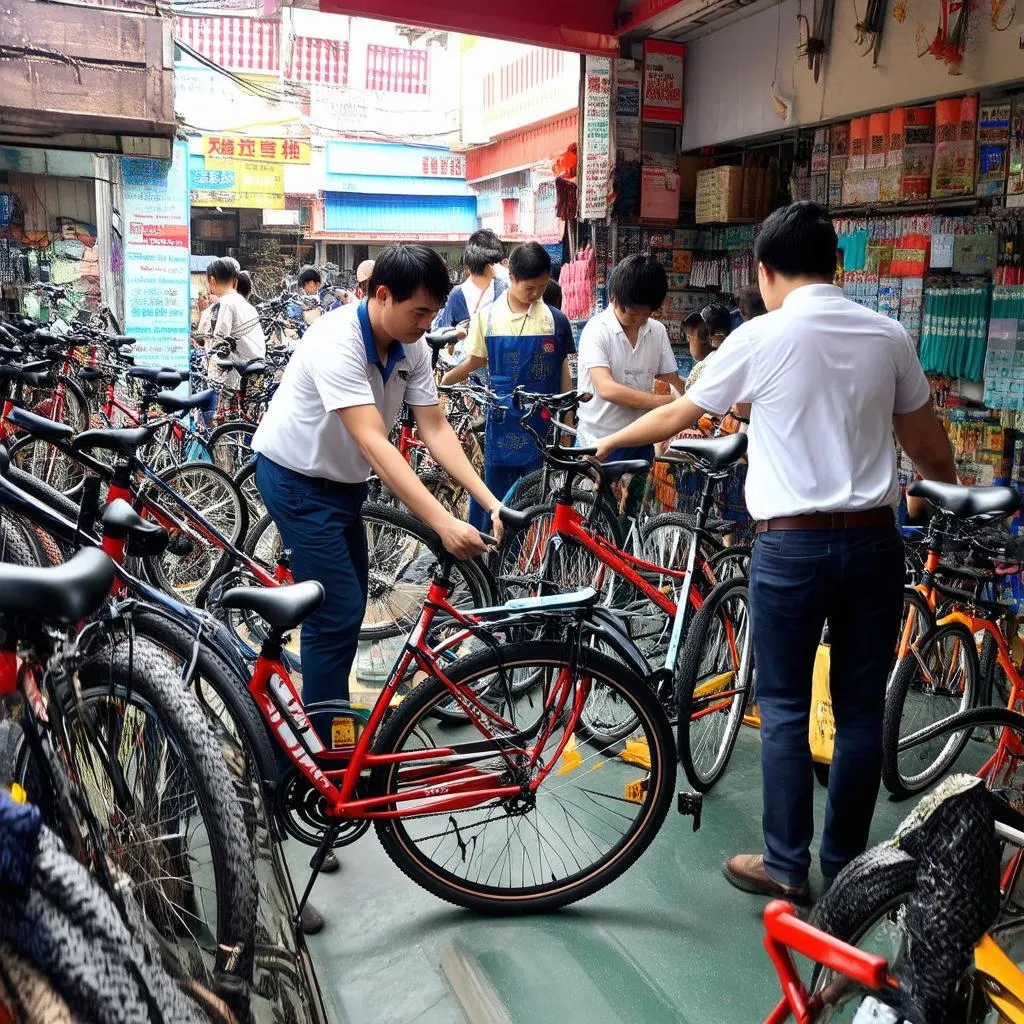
690, 804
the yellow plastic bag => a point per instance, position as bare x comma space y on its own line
822, 730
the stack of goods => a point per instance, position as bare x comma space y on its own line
578, 281
1004, 362
954, 327
719, 195
956, 125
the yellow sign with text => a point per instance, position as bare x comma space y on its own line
240, 147
250, 184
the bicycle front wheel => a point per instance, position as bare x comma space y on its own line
930, 683
713, 683
586, 822
176, 828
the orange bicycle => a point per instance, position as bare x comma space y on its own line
941, 672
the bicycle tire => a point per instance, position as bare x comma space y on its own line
246, 723
435, 878
235, 439
43, 461
475, 582
731, 563
691, 676
160, 567
245, 481
899, 785
512, 577
103, 967
15, 546
138, 673
872, 887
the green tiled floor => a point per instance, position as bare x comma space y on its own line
669, 941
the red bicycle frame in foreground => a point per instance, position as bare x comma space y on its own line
446, 787
785, 934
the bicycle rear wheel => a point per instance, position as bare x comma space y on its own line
586, 823
931, 682
713, 683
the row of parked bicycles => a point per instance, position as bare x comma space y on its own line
519, 753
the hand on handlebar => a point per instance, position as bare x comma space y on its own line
461, 540
604, 449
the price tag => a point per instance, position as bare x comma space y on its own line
343, 733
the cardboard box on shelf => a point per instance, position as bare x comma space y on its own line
719, 194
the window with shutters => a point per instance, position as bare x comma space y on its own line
396, 69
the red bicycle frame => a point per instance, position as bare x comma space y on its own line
785, 933
446, 788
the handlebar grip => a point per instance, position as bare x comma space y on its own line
488, 539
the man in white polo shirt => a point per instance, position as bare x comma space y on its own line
829, 382
327, 428
622, 352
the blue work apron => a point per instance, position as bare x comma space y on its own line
535, 363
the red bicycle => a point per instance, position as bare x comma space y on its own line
515, 810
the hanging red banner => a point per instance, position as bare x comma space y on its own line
663, 81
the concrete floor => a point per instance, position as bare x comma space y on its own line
670, 941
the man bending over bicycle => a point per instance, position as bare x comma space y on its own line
327, 428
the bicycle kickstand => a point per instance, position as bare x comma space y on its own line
326, 844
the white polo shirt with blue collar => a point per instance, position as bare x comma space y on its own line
337, 367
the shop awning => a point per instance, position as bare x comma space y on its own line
586, 26
523, 148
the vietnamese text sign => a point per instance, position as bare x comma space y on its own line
248, 184
595, 164
238, 147
156, 258
663, 81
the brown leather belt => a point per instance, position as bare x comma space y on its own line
830, 520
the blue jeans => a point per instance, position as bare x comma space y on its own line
499, 480
323, 529
798, 580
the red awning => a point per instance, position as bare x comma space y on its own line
523, 148
586, 26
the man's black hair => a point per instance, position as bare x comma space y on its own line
404, 268
222, 271
307, 274
528, 261
717, 318
244, 285
553, 294
482, 249
750, 302
798, 241
638, 280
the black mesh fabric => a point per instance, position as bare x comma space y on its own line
955, 901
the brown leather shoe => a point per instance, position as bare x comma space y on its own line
746, 871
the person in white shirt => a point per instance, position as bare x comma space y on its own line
829, 382
622, 352
236, 330
483, 255
327, 428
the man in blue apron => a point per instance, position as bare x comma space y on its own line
521, 341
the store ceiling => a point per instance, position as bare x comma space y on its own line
586, 26
682, 20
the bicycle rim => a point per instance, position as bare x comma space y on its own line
591, 817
